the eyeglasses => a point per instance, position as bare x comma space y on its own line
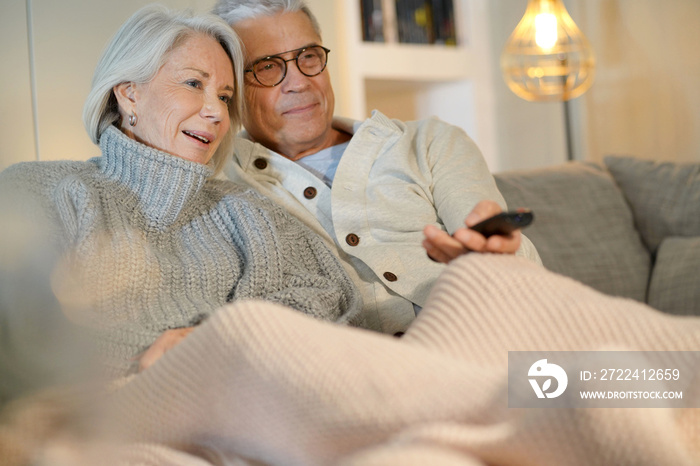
270, 71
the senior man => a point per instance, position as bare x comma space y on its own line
378, 191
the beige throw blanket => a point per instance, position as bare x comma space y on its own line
258, 383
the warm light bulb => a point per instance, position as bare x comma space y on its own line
546, 30
547, 58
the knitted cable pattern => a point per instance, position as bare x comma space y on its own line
150, 242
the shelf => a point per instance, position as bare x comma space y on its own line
413, 62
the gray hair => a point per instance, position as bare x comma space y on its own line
233, 11
140, 48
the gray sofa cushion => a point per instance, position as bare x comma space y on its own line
675, 282
583, 227
664, 196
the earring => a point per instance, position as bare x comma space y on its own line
133, 119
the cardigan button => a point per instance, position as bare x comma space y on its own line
352, 239
390, 277
260, 164
310, 192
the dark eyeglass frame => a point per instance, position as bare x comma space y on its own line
295, 59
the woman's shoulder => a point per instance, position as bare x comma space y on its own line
28, 189
36, 183
42, 173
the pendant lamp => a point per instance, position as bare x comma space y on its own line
547, 58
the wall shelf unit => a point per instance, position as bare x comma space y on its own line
412, 81
413, 62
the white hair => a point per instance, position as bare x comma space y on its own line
233, 11
140, 48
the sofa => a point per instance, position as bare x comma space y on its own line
626, 227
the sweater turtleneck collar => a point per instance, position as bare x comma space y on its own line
163, 183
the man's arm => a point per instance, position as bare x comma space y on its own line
465, 193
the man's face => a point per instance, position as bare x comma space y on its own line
294, 117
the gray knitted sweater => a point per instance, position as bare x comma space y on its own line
150, 242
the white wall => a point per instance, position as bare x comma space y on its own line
54, 48
646, 97
16, 126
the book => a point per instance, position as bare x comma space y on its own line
409, 21
372, 20
443, 22
414, 21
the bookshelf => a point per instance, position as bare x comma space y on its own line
412, 81
393, 64
409, 21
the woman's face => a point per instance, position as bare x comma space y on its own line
184, 110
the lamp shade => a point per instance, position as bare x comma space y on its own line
547, 58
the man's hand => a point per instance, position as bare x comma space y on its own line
442, 247
162, 345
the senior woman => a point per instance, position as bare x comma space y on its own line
148, 240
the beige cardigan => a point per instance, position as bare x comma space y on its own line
393, 179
